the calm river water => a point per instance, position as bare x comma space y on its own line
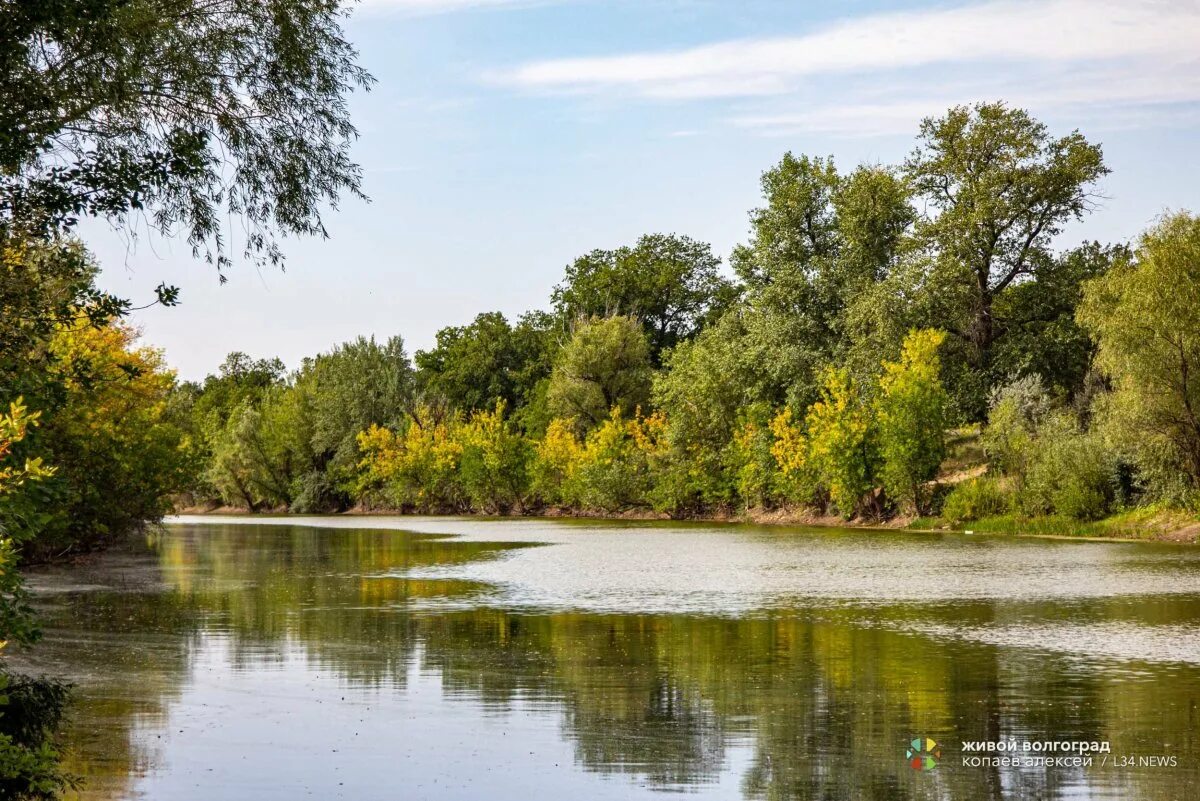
519, 660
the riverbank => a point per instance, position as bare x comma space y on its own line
1141, 525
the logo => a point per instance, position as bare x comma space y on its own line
923, 754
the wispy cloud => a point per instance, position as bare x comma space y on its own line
1158, 34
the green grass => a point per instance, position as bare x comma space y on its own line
1144, 523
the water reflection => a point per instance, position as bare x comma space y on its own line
242, 661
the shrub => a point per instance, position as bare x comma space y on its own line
616, 469
418, 467
1017, 410
494, 462
842, 442
974, 499
798, 480
750, 461
1072, 473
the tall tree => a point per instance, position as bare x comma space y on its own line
671, 284
1145, 315
605, 366
999, 188
474, 366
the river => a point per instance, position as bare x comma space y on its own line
517, 660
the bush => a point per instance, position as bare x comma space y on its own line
619, 457
557, 458
31, 711
494, 463
750, 461
974, 499
912, 415
688, 481
1072, 472
1017, 410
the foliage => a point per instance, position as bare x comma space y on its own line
1145, 315
799, 479
1001, 188
670, 284
1072, 473
842, 442
617, 466
475, 366
494, 463
293, 442
974, 499
1017, 411
605, 365
417, 467
557, 458
751, 459
106, 428
178, 113
30, 709
911, 409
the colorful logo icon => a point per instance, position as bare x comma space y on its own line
923, 754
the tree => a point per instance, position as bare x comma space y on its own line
1037, 330
1000, 189
179, 112
842, 445
911, 412
605, 366
474, 366
1145, 316
798, 226
239, 380
356, 385
105, 427
671, 284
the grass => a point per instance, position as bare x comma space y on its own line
1144, 523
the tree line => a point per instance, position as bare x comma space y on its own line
872, 315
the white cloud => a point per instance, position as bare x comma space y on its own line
1102, 93
1137, 33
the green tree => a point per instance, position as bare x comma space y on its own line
605, 366
911, 413
1039, 334
671, 284
239, 380
797, 229
842, 442
178, 112
1145, 316
356, 385
999, 188
474, 366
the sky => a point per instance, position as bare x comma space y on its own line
504, 138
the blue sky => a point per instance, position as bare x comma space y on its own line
506, 137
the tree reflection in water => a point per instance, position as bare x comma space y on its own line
812, 701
